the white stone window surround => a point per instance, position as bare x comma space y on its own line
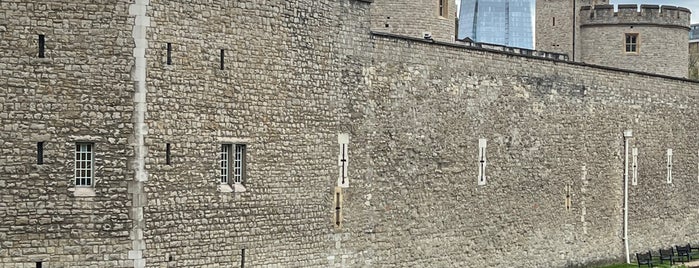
634, 166
482, 161
235, 164
669, 166
84, 165
343, 160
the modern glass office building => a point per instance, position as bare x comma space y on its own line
693, 32
502, 22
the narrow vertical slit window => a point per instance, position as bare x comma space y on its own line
569, 202
482, 161
42, 46
554, 21
169, 54
343, 160
40, 153
669, 166
634, 166
38, 264
225, 163
443, 8
167, 154
84, 160
338, 207
242, 258
223, 55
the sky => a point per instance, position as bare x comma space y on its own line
693, 5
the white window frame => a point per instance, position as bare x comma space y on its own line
239, 163
482, 161
343, 160
634, 166
232, 163
669, 166
224, 163
84, 165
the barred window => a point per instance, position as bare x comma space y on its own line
631, 43
239, 167
233, 163
84, 160
225, 155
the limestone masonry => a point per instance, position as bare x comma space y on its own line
648, 38
270, 133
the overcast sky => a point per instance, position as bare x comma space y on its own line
691, 4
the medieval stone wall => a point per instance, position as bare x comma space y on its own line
287, 66
80, 91
296, 74
414, 18
661, 44
553, 130
556, 27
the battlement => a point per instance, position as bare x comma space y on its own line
631, 14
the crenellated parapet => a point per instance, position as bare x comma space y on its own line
668, 16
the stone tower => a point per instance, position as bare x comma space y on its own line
556, 24
415, 18
650, 39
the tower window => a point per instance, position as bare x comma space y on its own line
443, 8
631, 42
83, 164
42, 46
554, 21
233, 163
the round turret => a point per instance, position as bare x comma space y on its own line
650, 39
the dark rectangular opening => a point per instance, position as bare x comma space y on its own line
242, 258
167, 154
42, 46
40, 153
169, 53
223, 53
554, 21
38, 264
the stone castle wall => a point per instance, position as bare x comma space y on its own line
550, 126
296, 74
80, 92
414, 18
662, 38
555, 25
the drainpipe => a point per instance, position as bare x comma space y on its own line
627, 136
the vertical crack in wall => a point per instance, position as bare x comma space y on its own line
141, 22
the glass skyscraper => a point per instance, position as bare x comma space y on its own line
693, 32
502, 22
